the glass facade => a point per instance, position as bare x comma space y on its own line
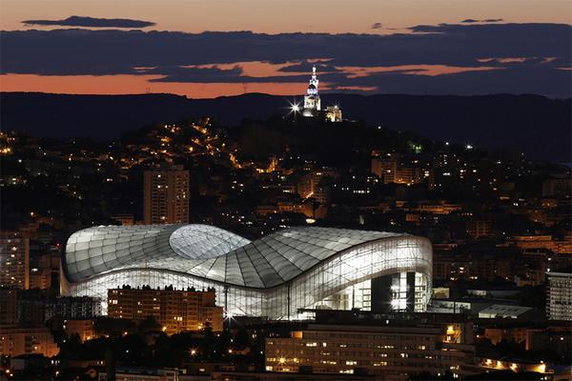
275, 276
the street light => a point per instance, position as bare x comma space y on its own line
295, 109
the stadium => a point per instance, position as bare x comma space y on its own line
277, 276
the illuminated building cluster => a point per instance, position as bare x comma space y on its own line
175, 310
392, 350
261, 259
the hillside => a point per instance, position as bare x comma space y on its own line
533, 124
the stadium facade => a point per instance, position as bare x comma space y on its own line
276, 276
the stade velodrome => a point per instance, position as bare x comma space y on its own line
276, 276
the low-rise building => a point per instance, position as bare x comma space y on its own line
391, 169
532, 335
391, 351
469, 266
15, 341
514, 365
506, 312
84, 328
74, 307
175, 310
134, 373
526, 242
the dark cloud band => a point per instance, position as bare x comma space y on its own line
528, 57
90, 22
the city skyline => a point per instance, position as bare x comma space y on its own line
286, 190
307, 239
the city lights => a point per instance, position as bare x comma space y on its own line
400, 211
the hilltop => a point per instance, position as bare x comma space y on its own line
533, 124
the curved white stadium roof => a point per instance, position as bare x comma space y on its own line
208, 252
275, 276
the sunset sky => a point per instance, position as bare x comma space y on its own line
395, 46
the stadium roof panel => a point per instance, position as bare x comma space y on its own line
208, 252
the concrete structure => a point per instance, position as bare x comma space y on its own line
69, 307
515, 365
391, 351
537, 335
479, 228
505, 311
391, 170
333, 114
280, 376
274, 276
15, 341
8, 306
311, 185
473, 266
44, 271
175, 310
166, 196
14, 260
559, 296
134, 373
84, 328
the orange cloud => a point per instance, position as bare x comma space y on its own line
138, 84
428, 70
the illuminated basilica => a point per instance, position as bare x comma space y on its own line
312, 104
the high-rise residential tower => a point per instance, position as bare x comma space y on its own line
166, 196
14, 260
559, 296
